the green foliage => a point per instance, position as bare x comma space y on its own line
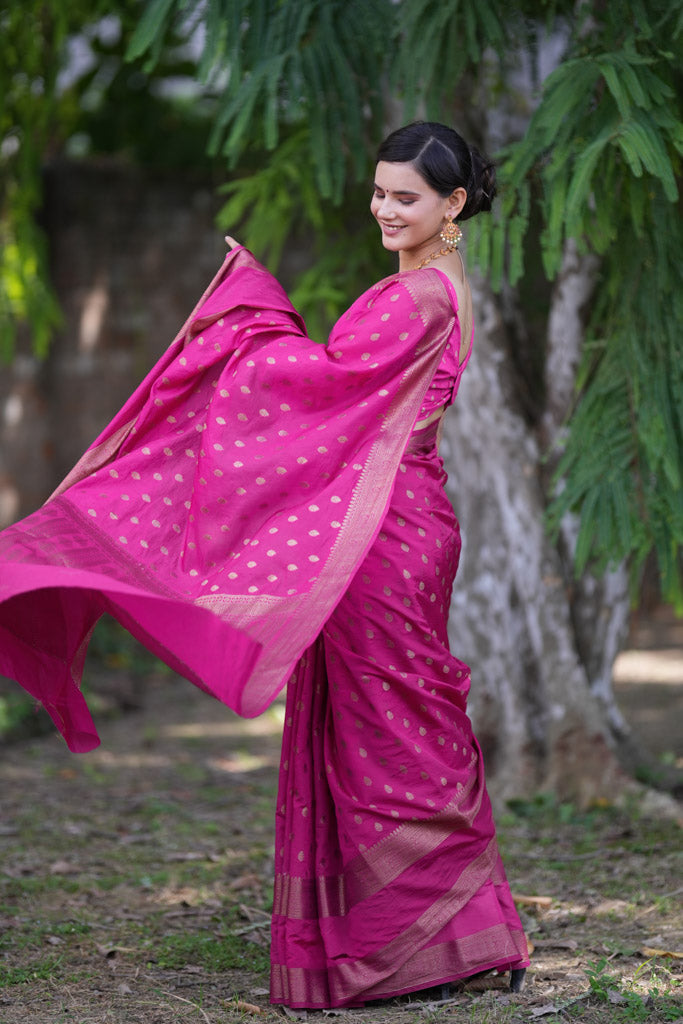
627, 480
625, 1003
296, 93
439, 42
14, 710
105, 107
113, 647
32, 34
278, 201
603, 118
18, 714
280, 63
275, 199
622, 465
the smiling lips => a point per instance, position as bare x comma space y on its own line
391, 229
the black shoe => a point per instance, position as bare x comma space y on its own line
517, 979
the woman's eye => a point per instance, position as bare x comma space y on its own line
406, 202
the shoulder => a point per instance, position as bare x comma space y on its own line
430, 286
409, 292
409, 312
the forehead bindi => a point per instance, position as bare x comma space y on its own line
399, 180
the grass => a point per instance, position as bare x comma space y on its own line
134, 888
44, 970
224, 952
184, 920
636, 1000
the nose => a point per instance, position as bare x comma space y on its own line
384, 208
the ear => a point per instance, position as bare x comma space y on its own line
456, 201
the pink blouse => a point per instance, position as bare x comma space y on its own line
446, 380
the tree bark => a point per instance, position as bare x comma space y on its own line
539, 722
599, 604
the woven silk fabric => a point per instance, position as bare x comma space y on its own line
222, 513
388, 877
444, 384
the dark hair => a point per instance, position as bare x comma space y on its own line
445, 161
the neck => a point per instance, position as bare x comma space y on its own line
411, 259
443, 257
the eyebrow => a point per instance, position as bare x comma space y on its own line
398, 192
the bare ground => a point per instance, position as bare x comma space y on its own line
135, 882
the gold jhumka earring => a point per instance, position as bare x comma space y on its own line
450, 234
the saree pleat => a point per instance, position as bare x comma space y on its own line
388, 876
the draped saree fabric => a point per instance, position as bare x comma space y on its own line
264, 510
387, 872
223, 511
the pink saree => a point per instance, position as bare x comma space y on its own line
387, 873
260, 509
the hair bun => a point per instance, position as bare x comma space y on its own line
481, 186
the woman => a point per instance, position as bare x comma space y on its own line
270, 505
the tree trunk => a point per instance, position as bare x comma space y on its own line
537, 717
599, 605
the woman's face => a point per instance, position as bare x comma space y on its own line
409, 212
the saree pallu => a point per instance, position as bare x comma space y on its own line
388, 877
223, 511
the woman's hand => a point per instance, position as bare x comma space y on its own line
231, 241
